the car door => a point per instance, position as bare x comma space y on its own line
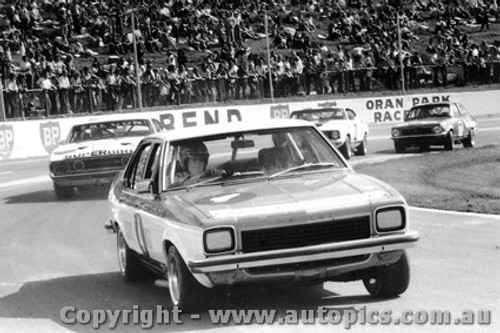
468, 120
356, 128
458, 124
137, 196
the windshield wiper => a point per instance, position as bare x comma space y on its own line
227, 175
307, 166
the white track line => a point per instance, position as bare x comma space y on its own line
25, 181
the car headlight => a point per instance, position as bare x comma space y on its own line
391, 218
395, 132
437, 129
61, 167
218, 240
334, 135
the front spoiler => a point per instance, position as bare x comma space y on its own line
305, 254
85, 178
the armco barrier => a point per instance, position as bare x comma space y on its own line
37, 138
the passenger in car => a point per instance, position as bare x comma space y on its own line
278, 157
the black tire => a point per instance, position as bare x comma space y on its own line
390, 280
346, 148
470, 141
424, 147
130, 266
362, 149
185, 292
448, 142
399, 147
63, 192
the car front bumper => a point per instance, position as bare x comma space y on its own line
430, 139
328, 261
85, 178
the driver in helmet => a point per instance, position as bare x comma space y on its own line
193, 161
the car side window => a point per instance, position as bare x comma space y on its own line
158, 126
462, 110
454, 111
136, 173
350, 114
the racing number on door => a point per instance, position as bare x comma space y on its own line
139, 232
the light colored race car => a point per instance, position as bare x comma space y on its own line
342, 125
274, 202
435, 124
95, 151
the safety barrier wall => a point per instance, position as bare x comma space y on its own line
37, 138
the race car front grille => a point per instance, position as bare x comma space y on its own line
417, 131
89, 164
305, 234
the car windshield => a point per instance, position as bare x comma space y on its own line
428, 111
249, 156
320, 115
110, 129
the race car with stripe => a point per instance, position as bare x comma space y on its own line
264, 202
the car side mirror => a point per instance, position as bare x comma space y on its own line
143, 186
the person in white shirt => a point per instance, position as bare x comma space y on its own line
64, 86
11, 96
45, 83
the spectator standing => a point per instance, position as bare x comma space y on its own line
11, 97
45, 83
64, 86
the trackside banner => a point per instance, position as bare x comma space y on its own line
38, 138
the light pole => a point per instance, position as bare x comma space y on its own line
400, 54
269, 68
136, 61
2, 106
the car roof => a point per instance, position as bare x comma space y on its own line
215, 129
320, 109
433, 104
106, 119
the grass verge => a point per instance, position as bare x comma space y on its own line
466, 180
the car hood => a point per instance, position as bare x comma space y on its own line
283, 200
422, 122
325, 125
108, 147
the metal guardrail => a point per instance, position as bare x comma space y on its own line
36, 103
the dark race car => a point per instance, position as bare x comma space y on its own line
442, 124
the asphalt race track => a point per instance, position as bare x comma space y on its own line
56, 254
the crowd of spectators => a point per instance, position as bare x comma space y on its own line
72, 56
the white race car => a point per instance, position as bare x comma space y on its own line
341, 125
95, 151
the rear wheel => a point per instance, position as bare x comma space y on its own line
185, 292
399, 147
470, 141
346, 148
130, 266
63, 192
390, 280
362, 149
448, 143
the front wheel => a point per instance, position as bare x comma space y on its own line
448, 143
63, 192
346, 148
185, 292
390, 280
399, 147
